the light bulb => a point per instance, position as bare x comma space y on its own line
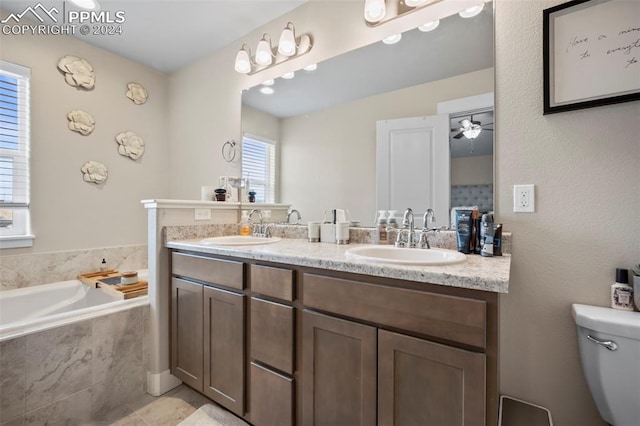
287, 43
243, 63
472, 11
414, 3
374, 10
392, 39
429, 26
263, 53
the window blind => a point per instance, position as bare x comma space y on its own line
14, 148
259, 166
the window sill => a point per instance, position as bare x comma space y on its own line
16, 241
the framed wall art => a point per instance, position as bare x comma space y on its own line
591, 54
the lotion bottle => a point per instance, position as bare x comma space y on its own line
381, 227
621, 291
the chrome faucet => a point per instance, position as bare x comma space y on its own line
428, 219
258, 230
298, 216
408, 229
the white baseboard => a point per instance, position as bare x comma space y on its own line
160, 383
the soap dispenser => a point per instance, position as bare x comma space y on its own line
393, 223
381, 227
245, 227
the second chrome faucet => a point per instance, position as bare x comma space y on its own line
407, 235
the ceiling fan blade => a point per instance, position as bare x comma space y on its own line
458, 136
487, 124
475, 122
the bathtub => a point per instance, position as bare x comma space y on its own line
32, 309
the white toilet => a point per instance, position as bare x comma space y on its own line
609, 341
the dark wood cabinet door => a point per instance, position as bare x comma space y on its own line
425, 383
338, 372
224, 349
271, 400
186, 332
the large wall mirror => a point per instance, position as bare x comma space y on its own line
324, 120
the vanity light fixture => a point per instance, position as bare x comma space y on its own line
264, 54
429, 26
392, 39
415, 3
267, 56
471, 11
374, 10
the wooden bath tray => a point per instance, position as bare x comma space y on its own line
109, 281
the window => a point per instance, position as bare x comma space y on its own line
259, 166
14, 156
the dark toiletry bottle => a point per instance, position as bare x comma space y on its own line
497, 239
463, 230
486, 235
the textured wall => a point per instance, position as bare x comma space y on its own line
585, 165
68, 213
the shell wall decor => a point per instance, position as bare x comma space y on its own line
137, 93
77, 72
94, 172
81, 122
130, 145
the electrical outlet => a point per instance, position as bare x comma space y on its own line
524, 198
202, 214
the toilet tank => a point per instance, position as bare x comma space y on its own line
609, 344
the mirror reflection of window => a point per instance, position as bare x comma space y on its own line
259, 166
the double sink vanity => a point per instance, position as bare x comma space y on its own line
285, 332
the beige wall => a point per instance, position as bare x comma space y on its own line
472, 170
585, 165
329, 156
68, 213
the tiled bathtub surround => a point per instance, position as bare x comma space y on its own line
27, 270
74, 374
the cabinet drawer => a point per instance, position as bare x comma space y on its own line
274, 282
215, 271
452, 318
271, 397
272, 334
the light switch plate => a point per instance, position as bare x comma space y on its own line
524, 198
202, 214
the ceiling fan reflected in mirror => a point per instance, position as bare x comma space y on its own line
470, 128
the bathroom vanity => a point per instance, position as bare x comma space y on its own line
297, 333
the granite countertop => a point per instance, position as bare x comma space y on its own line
477, 272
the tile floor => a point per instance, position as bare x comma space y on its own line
166, 410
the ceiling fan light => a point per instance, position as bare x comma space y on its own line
374, 10
392, 39
473, 132
263, 52
429, 26
287, 43
243, 62
471, 11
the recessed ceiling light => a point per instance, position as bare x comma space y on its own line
429, 26
269, 82
266, 90
311, 67
289, 75
392, 39
87, 4
472, 11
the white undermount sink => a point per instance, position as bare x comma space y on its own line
239, 240
406, 256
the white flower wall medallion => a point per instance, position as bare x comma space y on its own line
77, 72
94, 172
81, 122
130, 145
137, 93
